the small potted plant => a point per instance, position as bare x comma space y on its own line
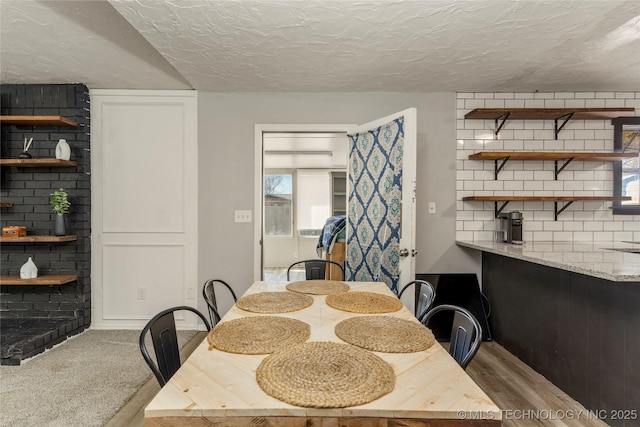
60, 203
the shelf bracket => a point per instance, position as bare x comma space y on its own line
564, 165
497, 168
566, 119
501, 120
559, 211
496, 210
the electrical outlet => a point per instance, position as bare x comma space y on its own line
191, 293
243, 216
432, 207
142, 293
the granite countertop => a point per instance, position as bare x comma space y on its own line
590, 258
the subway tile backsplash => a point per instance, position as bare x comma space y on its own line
581, 221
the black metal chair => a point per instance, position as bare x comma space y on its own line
315, 268
209, 294
162, 327
466, 333
424, 296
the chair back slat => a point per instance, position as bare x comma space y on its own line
424, 295
461, 335
165, 344
209, 294
315, 269
164, 337
466, 332
427, 295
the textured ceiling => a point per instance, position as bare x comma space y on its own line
78, 42
325, 45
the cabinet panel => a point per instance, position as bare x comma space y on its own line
143, 279
144, 159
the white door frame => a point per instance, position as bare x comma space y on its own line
260, 129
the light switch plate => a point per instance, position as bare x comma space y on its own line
243, 216
432, 207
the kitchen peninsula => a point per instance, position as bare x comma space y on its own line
570, 311
605, 260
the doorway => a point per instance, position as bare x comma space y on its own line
303, 184
382, 171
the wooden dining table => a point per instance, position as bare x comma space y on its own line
216, 388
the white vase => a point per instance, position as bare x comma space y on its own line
63, 151
28, 270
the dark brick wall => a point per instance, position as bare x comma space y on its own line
29, 189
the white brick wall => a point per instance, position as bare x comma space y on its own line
582, 221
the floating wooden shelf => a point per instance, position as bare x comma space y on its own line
38, 121
566, 156
6, 205
38, 163
42, 280
561, 116
549, 113
551, 155
38, 239
554, 199
545, 198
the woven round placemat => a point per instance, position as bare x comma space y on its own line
325, 375
385, 333
318, 287
364, 302
274, 302
258, 334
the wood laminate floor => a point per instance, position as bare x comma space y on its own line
526, 397
280, 274
132, 413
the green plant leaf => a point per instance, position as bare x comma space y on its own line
60, 202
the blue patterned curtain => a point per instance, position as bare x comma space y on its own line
375, 198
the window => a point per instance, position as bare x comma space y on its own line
313, 201
278, 212
626, 173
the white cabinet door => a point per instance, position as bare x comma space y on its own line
144, 205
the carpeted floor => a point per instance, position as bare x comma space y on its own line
81, 382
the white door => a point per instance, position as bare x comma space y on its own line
381, 201
144, 206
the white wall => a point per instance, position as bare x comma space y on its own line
226, 133
581, 221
